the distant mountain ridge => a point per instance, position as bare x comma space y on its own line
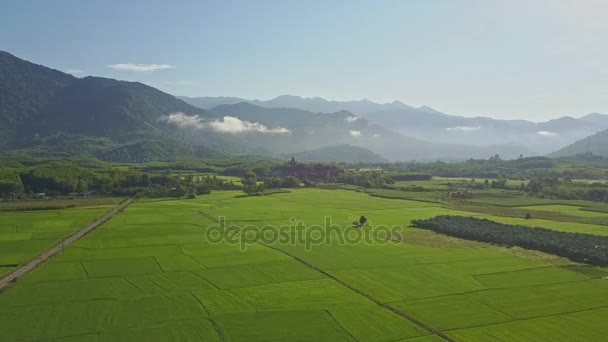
425, 123
47, 112
596, 144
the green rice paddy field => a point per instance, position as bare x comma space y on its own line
26, 234
156, 272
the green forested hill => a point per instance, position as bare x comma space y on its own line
106, 107
25, 91
596, 144
47, 112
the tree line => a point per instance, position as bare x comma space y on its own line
591, 249
59, 179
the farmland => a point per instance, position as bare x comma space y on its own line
25, 234
155, 272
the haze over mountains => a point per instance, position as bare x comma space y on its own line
426, 123
47, 112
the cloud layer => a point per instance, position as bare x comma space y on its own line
228, 124
547, 134
140, 67
355, 133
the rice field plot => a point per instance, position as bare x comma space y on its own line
25, 234
566, 209
545, 329
154, 273
452, 312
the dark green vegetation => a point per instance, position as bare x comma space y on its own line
61, 179
577, 247
56, 203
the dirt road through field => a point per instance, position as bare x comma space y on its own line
32, 264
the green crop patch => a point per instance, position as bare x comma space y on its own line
494, 265
428, 338
589, 294
589, 320
301, 295
219, 302
530, 277
545, 329
64, 270
120, 267
130, 252
566, 209
524, 303
376, 324
193, 330
229, 277
233, 256
282, 326
179, 262
54, 321
29, 294
286, 271
392, 284
452, 312
156, 309
169, 282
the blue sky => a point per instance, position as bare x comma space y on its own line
535, 59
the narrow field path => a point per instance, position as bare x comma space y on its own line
36, 261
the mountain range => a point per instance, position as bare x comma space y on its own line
47, 112
425, 123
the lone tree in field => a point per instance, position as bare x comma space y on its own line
362, 221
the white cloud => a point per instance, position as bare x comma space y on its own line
355, 133
376, 135
351, 118
229, 124
74, 72
183, 120
463, 128
235, 125
140, 67
547, 134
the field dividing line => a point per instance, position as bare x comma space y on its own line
403, 315
38, 260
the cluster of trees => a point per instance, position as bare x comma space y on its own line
65, 179
366, 178
586, 248
281, 182
251, 186
553, 187
10, 183
580, 167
